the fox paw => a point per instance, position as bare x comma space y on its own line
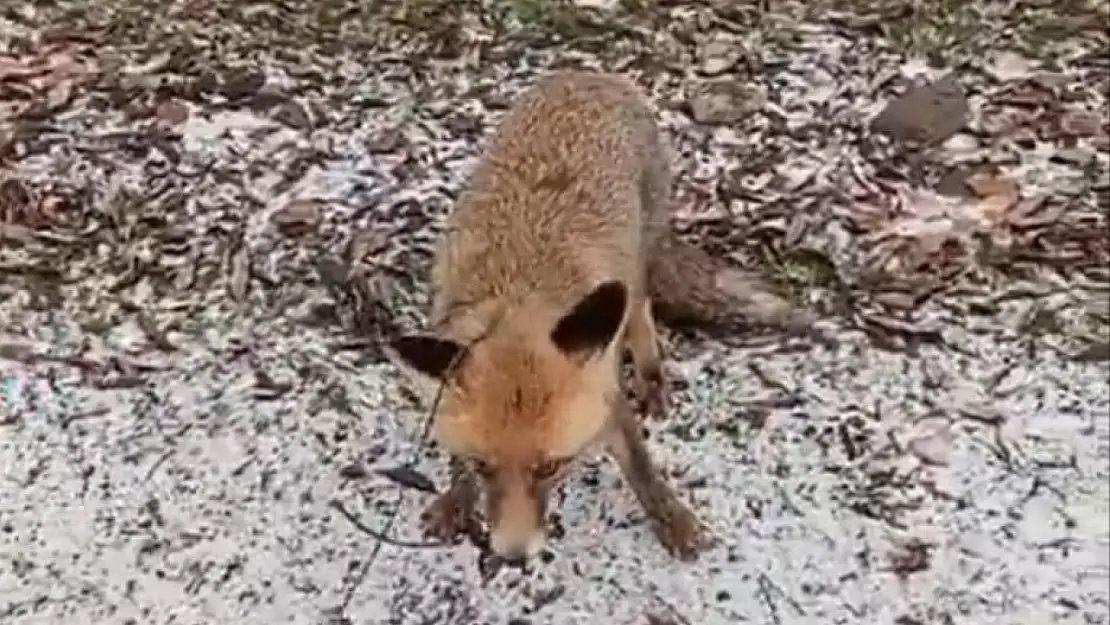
449, 517
681, 533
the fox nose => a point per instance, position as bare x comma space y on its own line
517, 551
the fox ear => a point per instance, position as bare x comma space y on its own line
594, 321
427, 356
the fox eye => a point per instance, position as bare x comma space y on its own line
547, 469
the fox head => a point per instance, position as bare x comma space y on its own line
521, 403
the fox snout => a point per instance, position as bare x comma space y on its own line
516, 510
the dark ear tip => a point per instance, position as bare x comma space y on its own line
430, 355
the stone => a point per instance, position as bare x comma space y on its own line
926, 114
725, 102
719, 55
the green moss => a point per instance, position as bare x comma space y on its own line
796, 271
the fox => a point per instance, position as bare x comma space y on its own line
539, 286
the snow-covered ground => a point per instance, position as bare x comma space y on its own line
178, 446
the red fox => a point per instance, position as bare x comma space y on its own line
539, 285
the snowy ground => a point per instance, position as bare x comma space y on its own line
197, 262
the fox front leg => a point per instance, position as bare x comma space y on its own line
674, 524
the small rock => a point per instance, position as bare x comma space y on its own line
172, 112
1050, 81
961, 143
720, 54
954, 183
725, 102
1006, 66
293, 114
242, 84
927, 114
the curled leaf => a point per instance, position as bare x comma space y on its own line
932, 442
408, 477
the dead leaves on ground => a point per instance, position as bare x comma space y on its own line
27, 207
97, 370
36, 85
299, 217
920, 233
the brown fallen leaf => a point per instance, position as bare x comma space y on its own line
153, 333
16, 68
911, 556
1096, 351
1081, 123
265, 386
408, 477
239, 273
998, 195
58, 96
298, 217
986, 184
15, 233
354, 471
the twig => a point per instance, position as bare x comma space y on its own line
765, 588
382, 536
338, 506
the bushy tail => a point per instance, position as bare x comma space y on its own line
689, 287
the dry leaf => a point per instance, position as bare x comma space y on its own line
725, 101
931, 442
54, 209
985, 184
1006, 66
12, 68
240, 274
910, 556
998, 196
297, 217
1081, 123
409, 477
59, 95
